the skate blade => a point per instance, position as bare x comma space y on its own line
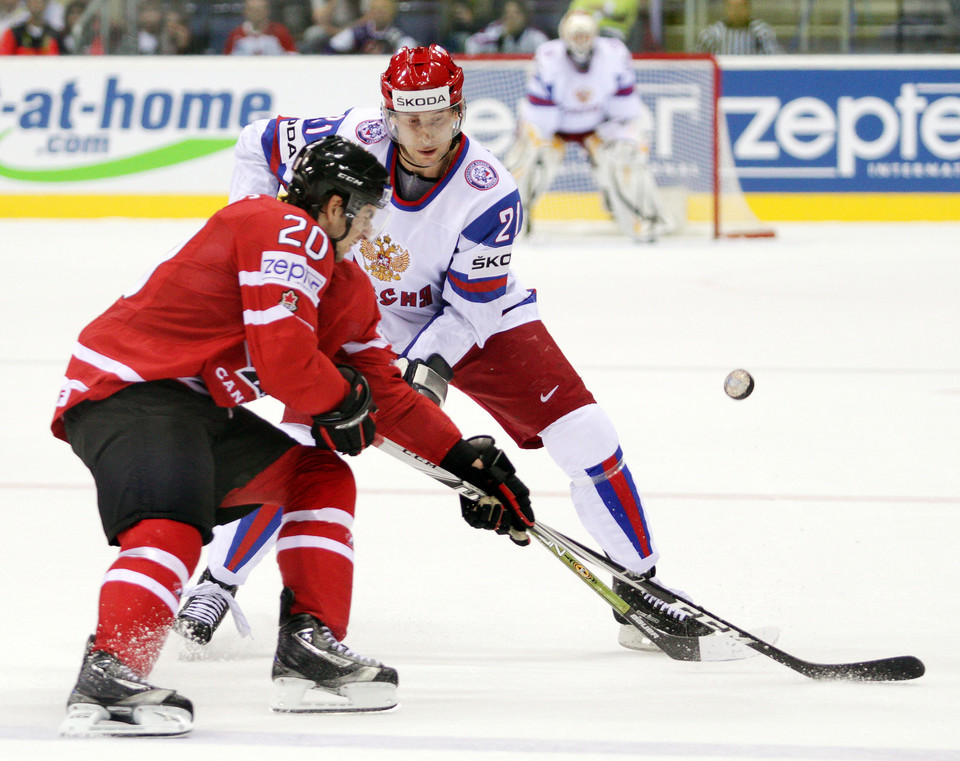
90, 720
292, 695
715, 647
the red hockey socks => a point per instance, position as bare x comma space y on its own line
315, 546
140, 593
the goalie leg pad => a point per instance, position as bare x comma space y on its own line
534, 163
623, 174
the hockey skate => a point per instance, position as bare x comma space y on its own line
313, 672
110, 699
665, 612
206, 607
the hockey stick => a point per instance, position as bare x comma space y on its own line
898, 668
711, 648
895, 669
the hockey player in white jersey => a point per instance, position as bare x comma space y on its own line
454, 311
582, 90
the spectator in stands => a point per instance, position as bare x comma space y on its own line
178, 38
258, 35
738, 33
149, 27
510, 33
295, 15
615, 18
32, 36
330, 17
71, 15
374, 33
12, 13
88, 40
460, 21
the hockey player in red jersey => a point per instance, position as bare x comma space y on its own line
259, 301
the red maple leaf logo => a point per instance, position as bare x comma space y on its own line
289, 299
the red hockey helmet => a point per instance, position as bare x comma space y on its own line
421, 79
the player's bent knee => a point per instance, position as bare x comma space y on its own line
581, 439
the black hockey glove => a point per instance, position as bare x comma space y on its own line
429, 377
507, 510
350, 427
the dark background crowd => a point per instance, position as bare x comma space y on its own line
276, 27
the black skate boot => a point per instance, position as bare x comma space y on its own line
659, 610
206, 607
111, 699
662, 612
309, 658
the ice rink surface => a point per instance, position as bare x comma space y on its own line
828, 504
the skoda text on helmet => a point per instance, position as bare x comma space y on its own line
422, 80
335, 166
578, 30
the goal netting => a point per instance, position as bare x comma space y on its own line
689, 153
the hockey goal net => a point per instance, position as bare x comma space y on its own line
690, 152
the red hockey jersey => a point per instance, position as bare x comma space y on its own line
254, 304
232, 311
349, 332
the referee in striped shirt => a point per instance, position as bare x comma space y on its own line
738, 33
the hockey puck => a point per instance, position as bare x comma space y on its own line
738, 384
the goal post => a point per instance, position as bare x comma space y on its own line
690, 152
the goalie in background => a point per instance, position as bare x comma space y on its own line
582, 90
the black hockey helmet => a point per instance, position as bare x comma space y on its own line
334, 166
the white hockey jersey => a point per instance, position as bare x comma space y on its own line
441, 265
560, 98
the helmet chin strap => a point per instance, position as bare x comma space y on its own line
346, 232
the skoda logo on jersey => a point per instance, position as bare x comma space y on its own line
421, 100
371, 131
481, 175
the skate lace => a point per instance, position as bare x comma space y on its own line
208, 603
665, 607
336, 645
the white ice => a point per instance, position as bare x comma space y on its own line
827, 504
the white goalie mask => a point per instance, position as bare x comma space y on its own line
578, 30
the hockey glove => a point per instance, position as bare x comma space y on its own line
507, 509
429, 377
348, 428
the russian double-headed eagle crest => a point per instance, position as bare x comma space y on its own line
384, 258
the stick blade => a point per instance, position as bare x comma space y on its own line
898, 669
